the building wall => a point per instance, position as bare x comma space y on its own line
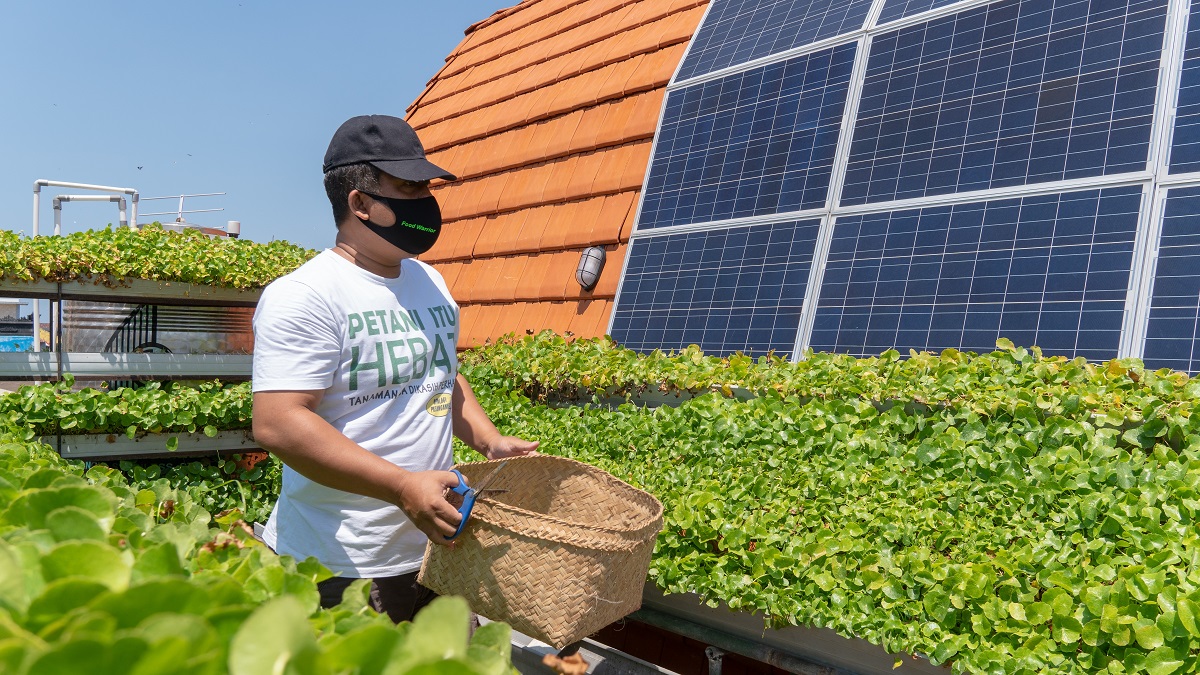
546, 113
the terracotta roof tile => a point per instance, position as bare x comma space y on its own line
529, 286
467, 316
464, 282
656, 67
648, 106
557, 176
630, 216
445, 246
606, 287
586, 134
562, 219
614, 81
450, 272
587, 223
490, 278
490, 241
559, 273
471, 230
613, 216
530, 238
635, 168
616, 127
494, 192
534, 318
519, 190
610, 174
470, 281
576, 64
508, 226
559, 318
511, 271
485, 325
508, 319
589, 317
587, 167
559, 132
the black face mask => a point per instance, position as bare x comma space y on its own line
418, 223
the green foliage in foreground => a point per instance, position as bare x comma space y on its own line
97, 577
171, 409
1047, 526
151, 252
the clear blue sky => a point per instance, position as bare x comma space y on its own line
235, 96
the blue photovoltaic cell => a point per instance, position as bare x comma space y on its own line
1050, 271
727, 290
1172, 338
757, 142
898, 9
1017, 92
738, 31
1185, 150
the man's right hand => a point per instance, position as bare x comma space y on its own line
422, 497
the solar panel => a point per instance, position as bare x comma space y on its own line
738, 31
1013, 93
1172, 335
898, 9
726, 290
753, 143
1185, 149
1049, 270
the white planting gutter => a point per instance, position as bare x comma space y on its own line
37, 202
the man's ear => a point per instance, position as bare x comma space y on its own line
358, 203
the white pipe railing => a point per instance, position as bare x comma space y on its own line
59, 200
42, 182
37, 195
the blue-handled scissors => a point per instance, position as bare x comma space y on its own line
470, 494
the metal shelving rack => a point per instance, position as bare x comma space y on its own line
52, 365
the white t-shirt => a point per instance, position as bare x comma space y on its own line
383, 351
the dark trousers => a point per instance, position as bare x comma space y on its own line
399, 597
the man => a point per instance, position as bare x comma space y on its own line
356, 384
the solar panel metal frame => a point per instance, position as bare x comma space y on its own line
1154, 176
770, 7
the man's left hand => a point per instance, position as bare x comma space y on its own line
510, 446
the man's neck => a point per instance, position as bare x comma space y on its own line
388, 269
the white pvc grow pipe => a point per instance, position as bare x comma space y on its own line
58, 202
37, 202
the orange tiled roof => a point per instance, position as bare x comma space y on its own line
546, 112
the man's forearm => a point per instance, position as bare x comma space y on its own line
471, 424
317, 451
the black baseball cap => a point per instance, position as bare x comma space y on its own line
385, 142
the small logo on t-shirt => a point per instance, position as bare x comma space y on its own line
438, 406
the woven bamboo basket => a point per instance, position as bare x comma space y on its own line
559, 555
